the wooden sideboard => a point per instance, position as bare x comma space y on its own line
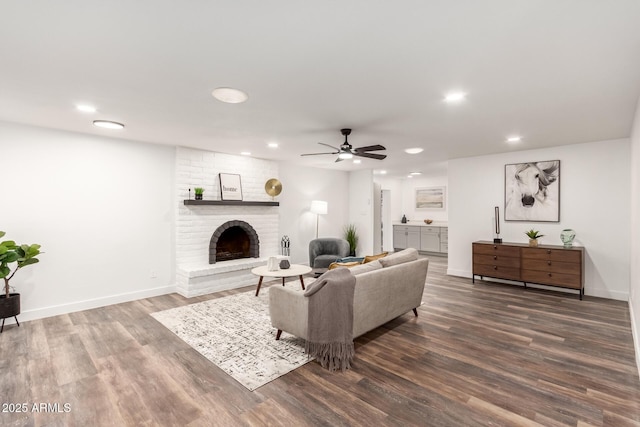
550, 265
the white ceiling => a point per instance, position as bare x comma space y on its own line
556, 72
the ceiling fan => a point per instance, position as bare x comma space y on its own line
346, 151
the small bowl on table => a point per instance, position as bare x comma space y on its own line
428, 221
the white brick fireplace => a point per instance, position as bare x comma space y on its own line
196, 223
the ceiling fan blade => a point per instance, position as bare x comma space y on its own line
371, 148
318, 154
330, 146
338, 160
371, 155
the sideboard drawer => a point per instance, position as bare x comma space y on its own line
509, 273
565, 255
547, 278
549, 266
489, 249
505, 261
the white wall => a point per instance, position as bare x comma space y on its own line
634, 287
101, 208
595, 202
403, 193
301, 185
361, 209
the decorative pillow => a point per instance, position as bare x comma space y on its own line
405, 255
351, 259
343, 264
370, 258
363, 268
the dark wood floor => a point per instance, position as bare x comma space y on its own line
477, 355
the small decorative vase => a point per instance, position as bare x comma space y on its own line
198, 196
567, 237
533, 243
404, 219
284, 264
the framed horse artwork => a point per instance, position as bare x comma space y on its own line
532, 191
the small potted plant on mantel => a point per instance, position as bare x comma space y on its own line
533, 237
198, 191
21, 256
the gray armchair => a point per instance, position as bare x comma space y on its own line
326, 250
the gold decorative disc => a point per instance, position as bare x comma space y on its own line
273, 187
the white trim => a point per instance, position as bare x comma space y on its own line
40, 313
636, 338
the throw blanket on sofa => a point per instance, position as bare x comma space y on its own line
330, 326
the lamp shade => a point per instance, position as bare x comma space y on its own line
319, 207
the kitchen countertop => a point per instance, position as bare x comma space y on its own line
421, 223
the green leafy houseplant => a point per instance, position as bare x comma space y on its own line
20, 255
351, 236
533, 234
198, 191
533, 237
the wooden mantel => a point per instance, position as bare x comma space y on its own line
228, 203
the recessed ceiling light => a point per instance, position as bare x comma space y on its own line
86, 108
108, 124
245, 153
415, 173
357, 161
409, 176
272, 145
229, 95
455, 96
383, 172
514, 139
415, 150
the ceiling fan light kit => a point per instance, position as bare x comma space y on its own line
346, 151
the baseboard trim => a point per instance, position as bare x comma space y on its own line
55, 310
634, 335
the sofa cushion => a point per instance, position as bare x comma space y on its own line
405, 255
363, 268
370, 258
337, 264
357, 259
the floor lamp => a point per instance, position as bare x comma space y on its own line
318, 207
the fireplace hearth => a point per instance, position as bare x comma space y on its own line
233, 240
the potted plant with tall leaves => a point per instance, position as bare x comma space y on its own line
351, 236
22, 256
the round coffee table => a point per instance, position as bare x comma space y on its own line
294, 270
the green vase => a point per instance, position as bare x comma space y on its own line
567, 235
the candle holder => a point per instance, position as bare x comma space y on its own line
497, 239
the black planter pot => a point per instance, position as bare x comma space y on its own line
9, 307
198, 196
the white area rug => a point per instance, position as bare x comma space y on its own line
235, 333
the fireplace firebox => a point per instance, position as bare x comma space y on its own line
233, 240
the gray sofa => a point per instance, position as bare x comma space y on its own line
385, 289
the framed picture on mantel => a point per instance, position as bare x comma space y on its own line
230, 186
